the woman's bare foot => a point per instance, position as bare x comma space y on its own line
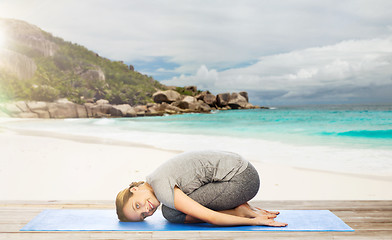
245, 210
266, 212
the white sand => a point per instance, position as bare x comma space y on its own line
49, 168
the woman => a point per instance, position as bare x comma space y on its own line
199, 186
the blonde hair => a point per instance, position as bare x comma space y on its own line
122, 198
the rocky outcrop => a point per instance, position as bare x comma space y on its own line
17, 64
39, 43
188, 102
237, 101
203, 107
234, 101
102, 102
167, 102
167, 96
62, 110
205, 101
102, 109
222, 99
126, 110
21, 36
207, 97
59, 109
13, 110
29, 36
141, 110
245, 95
40, 108
91, 75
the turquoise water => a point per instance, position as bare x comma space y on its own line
363, 126
366, 126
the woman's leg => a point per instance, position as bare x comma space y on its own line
173, 215
220, 196
228, 195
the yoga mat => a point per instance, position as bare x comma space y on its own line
106, 220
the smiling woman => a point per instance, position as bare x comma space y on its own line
198, 186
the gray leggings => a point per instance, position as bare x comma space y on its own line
221, 195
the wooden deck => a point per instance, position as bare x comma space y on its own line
369, 219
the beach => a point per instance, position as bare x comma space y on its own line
36, 166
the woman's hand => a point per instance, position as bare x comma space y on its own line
265, 220
232, 217
259, 216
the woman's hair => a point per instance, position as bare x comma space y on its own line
122, 198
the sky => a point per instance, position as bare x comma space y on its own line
281, 52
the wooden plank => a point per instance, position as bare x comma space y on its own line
102, 203
364, 213
194, 235
11, 216
241, 235
370, 219
74, 235
371, 226
198, 235
365, 235
365, 216
330, 205
11, 227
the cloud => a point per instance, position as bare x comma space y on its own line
293, 50
204, 79
218, 34
339, 72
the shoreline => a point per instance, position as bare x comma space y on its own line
373, 163
113, 142
83, 139
44, 166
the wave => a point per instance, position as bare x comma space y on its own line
104, 121
367, 133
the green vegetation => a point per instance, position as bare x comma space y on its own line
182, 91
75, 73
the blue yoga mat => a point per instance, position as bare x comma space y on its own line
106, 220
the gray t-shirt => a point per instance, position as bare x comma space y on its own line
191, 170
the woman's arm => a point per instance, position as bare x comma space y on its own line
244, 210
195, 210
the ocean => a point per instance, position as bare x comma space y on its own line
354, 139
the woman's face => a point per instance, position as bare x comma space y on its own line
142, 204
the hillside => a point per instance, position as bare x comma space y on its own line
36, 66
